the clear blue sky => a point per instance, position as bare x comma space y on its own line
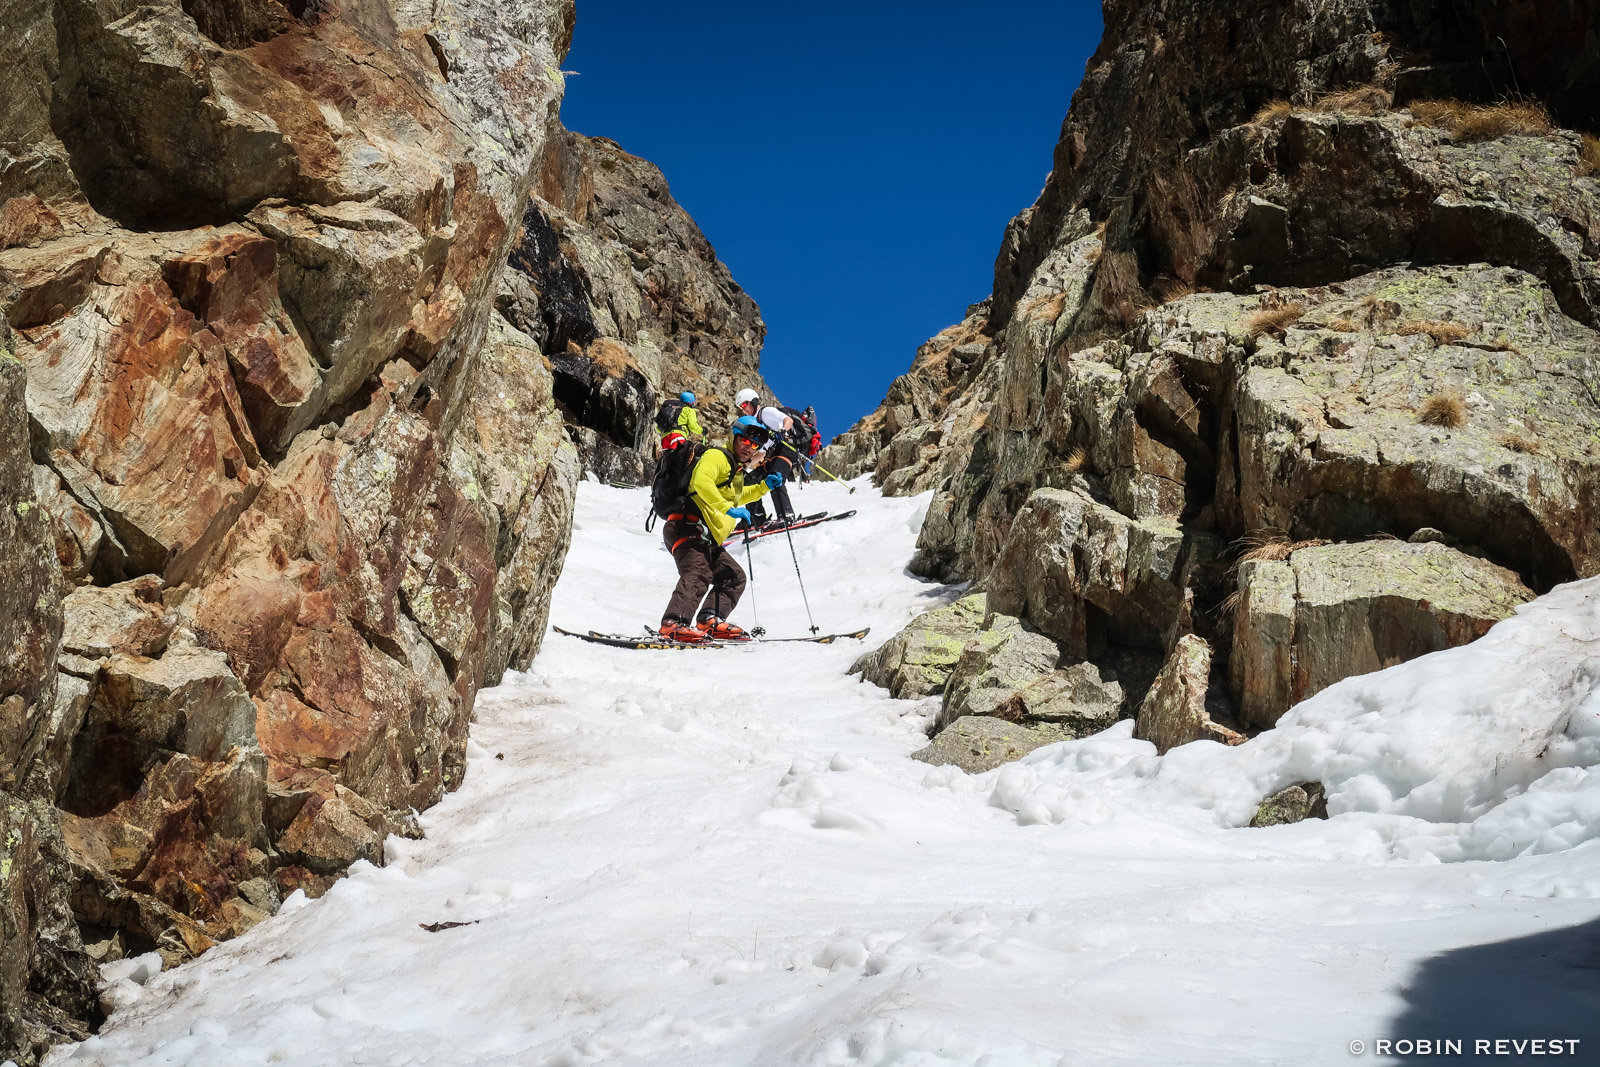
853, 164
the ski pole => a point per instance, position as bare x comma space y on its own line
833, 476
794, 556
750, 563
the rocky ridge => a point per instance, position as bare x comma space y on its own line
297, 407
1289, 359
628, 302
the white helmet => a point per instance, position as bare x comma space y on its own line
747, 396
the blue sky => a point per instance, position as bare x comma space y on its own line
854, 165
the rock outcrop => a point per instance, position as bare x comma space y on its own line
978, 743
311, 488
918, 661
1332, 611
322, 316
627, 300
46, 979
1277, 293
1174, 710
1001, 658
1000, 674
1305, 800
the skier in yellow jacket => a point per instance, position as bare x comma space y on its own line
712, 507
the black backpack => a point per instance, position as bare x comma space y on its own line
669, 491
667, 417
800, 433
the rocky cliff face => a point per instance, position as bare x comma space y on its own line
311, 303
628, 301
46, 987
1286, 302
308, 490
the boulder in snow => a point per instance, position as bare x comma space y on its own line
1332, 611
978, 743
1076, 698
1174, 711
1306, 800
1001, 658
1072, 565
917, 661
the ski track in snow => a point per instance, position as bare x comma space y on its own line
726, 857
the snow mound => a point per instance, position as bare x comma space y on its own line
1482, 752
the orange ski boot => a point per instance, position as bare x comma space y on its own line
719, 630
682, 632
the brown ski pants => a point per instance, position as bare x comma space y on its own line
702, 566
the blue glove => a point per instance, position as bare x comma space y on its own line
775, 480
740, 513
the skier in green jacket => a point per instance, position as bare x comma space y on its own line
685, 423
713, 506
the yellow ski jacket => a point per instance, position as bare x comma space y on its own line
689, 423
715, 486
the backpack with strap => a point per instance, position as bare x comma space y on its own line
800, 433
669, 491
667, 417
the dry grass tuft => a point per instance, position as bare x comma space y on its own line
1443, 408
1077, 459
1528, 446
1230, 604
611, 356
1441, 333
1342, 326
1272, 112
1470, 123
1045, 308
1271, 544
1273, 320
1166, 289
1589, 156
1360, 100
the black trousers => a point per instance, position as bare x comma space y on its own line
703, 566
783, 460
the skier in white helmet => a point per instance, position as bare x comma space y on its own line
782, 457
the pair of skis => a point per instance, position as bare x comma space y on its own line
652, 640
801, 523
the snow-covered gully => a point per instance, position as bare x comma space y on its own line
726, 857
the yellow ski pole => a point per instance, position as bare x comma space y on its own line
831, 475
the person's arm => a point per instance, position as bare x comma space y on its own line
754, 491
691, 423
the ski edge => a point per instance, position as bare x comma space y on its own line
622, 641
802, 525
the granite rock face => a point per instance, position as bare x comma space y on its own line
1332, 611
46, 979
1268, 298
978, 743
1174, 710
1001, 658
310, 489
918, 661
627, 300
322, 315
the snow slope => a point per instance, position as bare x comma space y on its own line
725, 857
